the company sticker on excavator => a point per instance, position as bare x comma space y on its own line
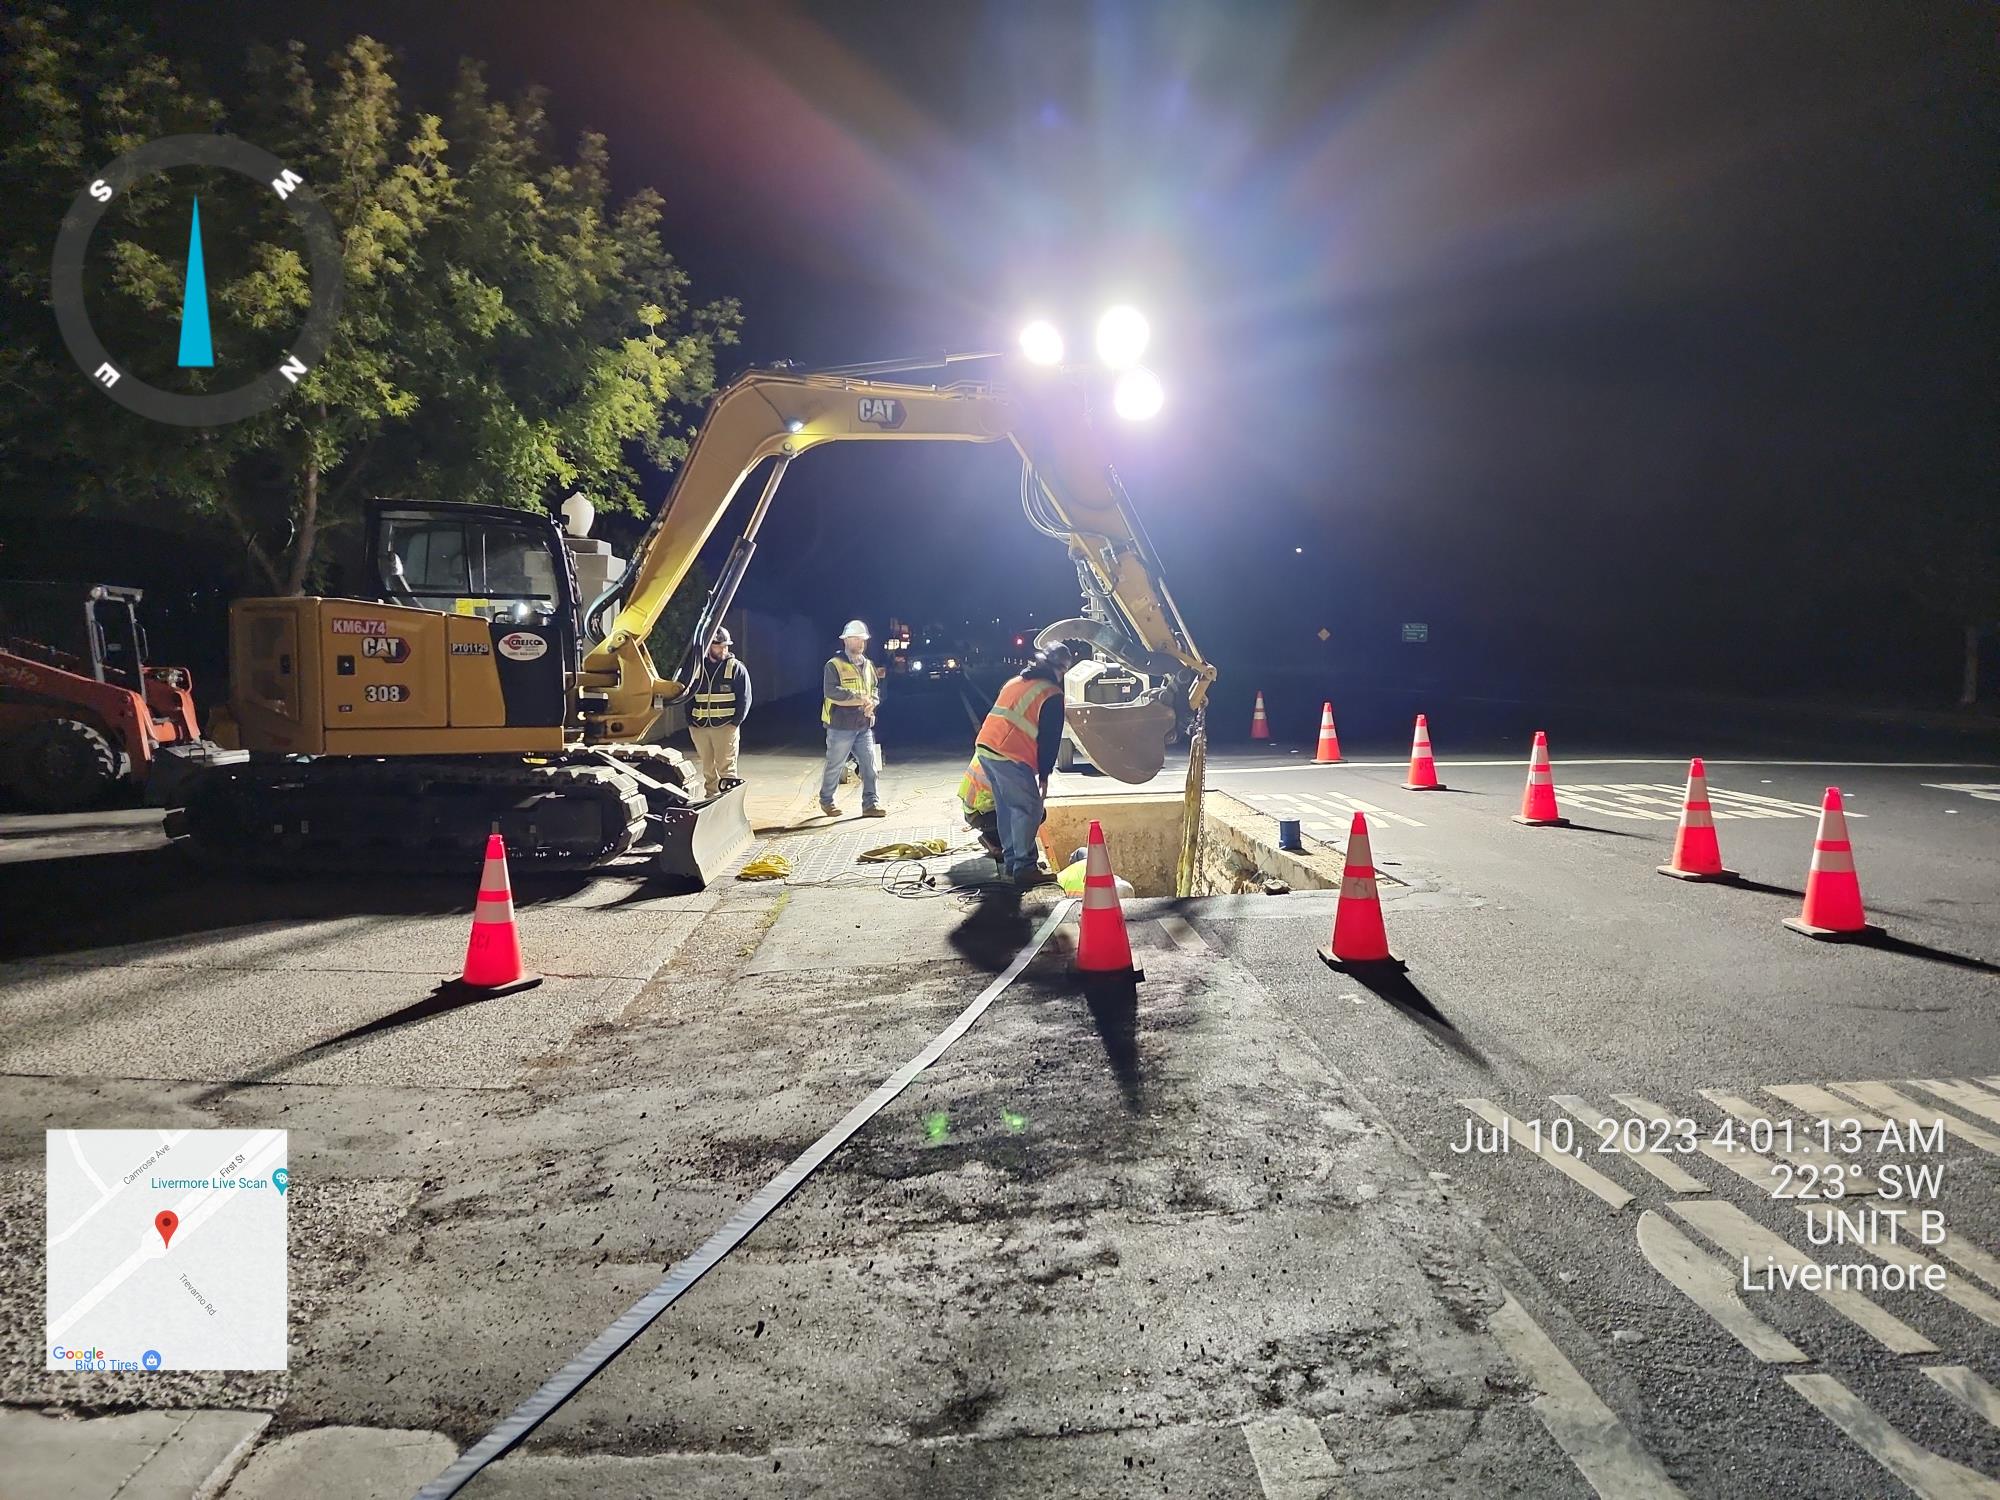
881, 411
522, 645
344, 626
390, 648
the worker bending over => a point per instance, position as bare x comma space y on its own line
852, 691
721, 704
1017, 748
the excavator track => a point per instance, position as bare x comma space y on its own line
568, 812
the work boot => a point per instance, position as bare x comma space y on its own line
829, 809
874, 812
1037, 876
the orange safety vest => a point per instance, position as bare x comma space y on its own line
974, 789
1013, 728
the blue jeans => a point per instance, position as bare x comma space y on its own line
1017, 801
841, 743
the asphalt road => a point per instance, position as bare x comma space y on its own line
1557, 962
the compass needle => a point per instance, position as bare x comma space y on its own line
197, 351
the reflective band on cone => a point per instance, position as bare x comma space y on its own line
1329, 742
1538, 798
1833, 909
1102, 946
1359, 937
1423, 770
1696, 854
1260, 726
493, 953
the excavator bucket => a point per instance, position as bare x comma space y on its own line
700, 844
1126, 741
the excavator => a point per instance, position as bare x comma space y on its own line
470, 688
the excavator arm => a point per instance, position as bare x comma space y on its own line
1069, 492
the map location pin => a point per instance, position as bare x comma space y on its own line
166, 1221
283, 1179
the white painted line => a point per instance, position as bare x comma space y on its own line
1291, 1459
1710, 1287
1985, 791
1854, 1182
1742, 1238
1827, 1106
1931, 1477
1569, 760
1975, 1394
1520, 1137
1897, 1253
1971, 1258
1964, 1095
1582, 796
1182, 934
1647, 1159
1884, 1097
1602, 1447
1753, 1168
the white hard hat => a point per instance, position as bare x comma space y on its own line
855, 627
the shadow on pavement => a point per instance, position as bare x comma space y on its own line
994, 930
1114, 1010
1401, 991
1616, 833
1888, 943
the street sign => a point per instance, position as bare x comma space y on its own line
1325, 634
1416, 635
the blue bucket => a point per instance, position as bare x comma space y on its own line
1288, 835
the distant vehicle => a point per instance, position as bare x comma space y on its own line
80, 710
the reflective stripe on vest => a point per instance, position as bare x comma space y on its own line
974, 790
856, 680
1013, 729
712, 706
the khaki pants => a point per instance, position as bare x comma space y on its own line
716, 745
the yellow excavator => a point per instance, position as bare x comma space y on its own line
471, 687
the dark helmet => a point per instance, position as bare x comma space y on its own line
1058, 657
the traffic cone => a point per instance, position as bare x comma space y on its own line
1696, 855
1423, 770
1102, 946
1833, 892
493, 953
1538, 798
1358, 935
1260, 726
1329, 742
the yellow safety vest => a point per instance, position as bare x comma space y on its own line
718, 705
856, 680
1013, 729
974, 789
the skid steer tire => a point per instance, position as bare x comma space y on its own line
60, 765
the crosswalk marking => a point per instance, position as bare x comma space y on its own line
1344, 806
1519, 1134
1602, 1447
1662, 801
1896, 1253
1930, 1476
1964, 1095
1711, 1288
1586, 796
1738, 1235
1961, 1383
1744, 1162
1650, 1160
1971, 1258
1824, 1105
1292, 1459
1882, 1096
1855, 1182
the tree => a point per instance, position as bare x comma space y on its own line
508, 333
1945, 553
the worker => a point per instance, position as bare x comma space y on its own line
975, 795
852, 690
721, 704
1016, 747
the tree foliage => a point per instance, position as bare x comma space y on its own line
509, 332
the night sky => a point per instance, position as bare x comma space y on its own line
1587, 333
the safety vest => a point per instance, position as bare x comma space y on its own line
974, 790
858, 680
715, 693
1013, 729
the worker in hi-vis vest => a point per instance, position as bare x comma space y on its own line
975, 795
852, 690
1016, 747
721, 704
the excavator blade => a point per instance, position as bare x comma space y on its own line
701, 844
1126, 741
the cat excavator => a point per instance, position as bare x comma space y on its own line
469, 687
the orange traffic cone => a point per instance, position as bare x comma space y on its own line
1358, 935
493, 954
1538, 798
1833, 891
1696, 854
1329, 742
1423, 770
1102, 946
1260, 726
